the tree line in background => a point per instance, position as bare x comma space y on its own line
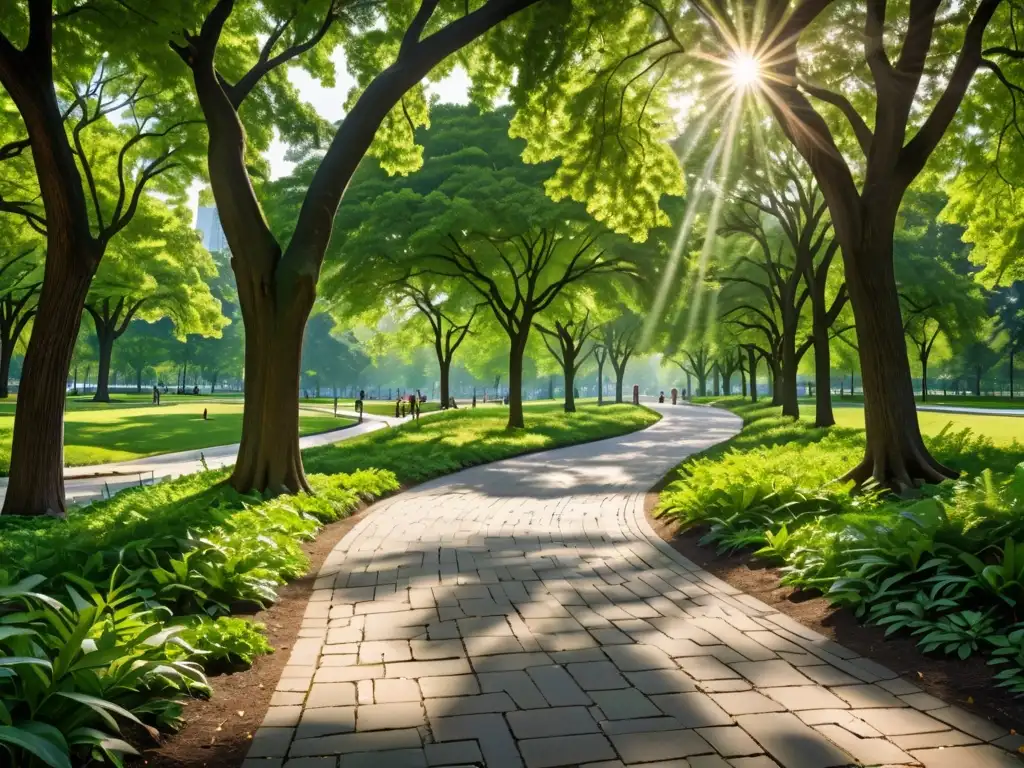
796, 232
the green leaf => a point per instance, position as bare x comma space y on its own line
37, 746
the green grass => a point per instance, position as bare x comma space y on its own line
466, 437
1002, 430
965, 401
100, 433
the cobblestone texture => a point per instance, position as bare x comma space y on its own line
524, 614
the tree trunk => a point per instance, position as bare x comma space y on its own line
445, 369
702, 384
924, 378
515, 381
689, 394
620, 374
268, 456
138, 379
823, 415
106, 344
718, 385
213, 382
570, 380
600, 381
743, 379
752, 367
776, 382
7, 351
36, 481
1011, 375
551, 387
895, 454
977, 381
790, 365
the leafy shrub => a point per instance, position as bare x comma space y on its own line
224, 642
946, 566
68, 675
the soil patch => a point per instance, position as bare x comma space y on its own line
967, 683
218, 730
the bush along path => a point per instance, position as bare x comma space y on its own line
524, 613
111, 618
945, 568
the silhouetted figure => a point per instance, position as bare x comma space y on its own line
362, 395
204, 414
474, 398
661, 398
398, 407
195, 390
156, 395
453, 404
636, 394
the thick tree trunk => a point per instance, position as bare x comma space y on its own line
752, 367
688, 392
726, 384
718, 383
36, 482
619, 376
106, 345
269, 457
515, 381
702, 385
823, 415
895, 454
570, 382
445, 371
743, 380
600, 382
551, 387
213, 382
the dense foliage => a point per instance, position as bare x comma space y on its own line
946, 566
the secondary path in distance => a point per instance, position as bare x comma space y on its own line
523, 612
99, 481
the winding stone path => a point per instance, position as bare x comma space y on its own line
523, 613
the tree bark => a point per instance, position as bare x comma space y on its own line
515, 380
106, 345
138, 379
752, 367
445, 370
269, 456
600, 381
823, 415
790, 366
717, 381
570, 379
36, 481
776, 382
924, 378
895, 454
6, 352
620, 373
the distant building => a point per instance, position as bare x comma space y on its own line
208, 222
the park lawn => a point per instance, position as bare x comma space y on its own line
110, 434
1002, 430
466, 437
964, 401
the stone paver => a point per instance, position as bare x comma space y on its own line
524, 614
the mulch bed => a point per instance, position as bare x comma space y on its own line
967, 683
218, 730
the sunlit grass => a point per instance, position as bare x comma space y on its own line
1001, 430
458, 439
109, 434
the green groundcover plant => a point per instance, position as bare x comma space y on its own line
946, 566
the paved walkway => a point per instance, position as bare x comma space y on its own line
523, 612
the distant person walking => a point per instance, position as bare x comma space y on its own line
156, 395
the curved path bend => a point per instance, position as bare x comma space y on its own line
523, 613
